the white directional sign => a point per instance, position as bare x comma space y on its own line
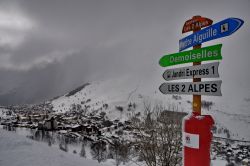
209, 70
209, 88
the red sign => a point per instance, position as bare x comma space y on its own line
195, 23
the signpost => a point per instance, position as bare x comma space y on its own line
209, 70
198, 55
218, 30
209, 88
196, 127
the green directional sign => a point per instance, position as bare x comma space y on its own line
197, 55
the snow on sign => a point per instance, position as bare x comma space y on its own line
209, 70
190, 140
195, 23
221, 29
203, 54
209, 88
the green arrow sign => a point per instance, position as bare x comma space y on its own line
197, 55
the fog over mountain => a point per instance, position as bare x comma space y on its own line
50, 47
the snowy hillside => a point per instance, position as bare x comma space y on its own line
27, 152
16, 150
115, 97
111, 96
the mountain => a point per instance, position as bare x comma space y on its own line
114, 97
120, 98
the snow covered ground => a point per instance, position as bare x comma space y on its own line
17, 150
218, 163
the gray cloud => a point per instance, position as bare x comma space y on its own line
60, 44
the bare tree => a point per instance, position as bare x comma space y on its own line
159, 136
99, 151
120, 150
83, 152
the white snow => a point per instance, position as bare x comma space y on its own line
2, 112
17, 150
219, 163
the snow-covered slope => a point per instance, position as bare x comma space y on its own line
123, 91
110, 96
17, 150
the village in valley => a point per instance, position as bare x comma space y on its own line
42, 117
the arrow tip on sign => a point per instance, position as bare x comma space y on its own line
161, 62
236, 23
161, 88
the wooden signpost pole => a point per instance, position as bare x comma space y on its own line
197, 98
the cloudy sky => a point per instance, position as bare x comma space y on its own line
48, 47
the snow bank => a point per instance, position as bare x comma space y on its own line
17, 150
